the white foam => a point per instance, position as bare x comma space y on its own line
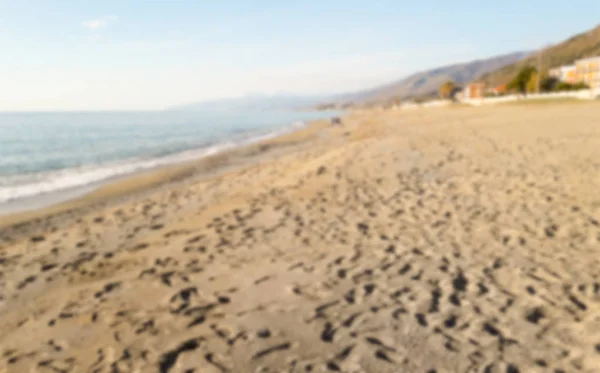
25, 186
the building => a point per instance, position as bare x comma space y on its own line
498, 90
588, 71
474, 90
567, 74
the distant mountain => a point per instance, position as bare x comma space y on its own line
427, 83
421, 84
586, 44
256, 102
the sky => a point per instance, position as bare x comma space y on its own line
154, 54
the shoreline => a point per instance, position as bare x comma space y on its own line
419, 239
141, 166
75, 201
32, 181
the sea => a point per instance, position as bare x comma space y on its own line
48, 157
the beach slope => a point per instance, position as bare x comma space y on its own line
442, 240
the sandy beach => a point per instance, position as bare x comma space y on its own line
443, 240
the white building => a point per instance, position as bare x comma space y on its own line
588, 71
567, 74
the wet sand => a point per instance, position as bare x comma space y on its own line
441, 240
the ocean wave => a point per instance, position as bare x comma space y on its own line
18, 187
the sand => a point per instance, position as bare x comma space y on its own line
440, 240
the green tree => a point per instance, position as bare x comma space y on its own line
563, 86
447, 89
520, 82
532, 84
580, 85
548, 83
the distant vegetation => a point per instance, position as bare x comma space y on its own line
551, 84
562, 86
526, 81
516, 72
425, 85
583, 45
448, 89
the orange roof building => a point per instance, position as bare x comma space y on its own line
474, 90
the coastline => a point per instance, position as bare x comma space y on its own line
418, 239
36, 169
73, 202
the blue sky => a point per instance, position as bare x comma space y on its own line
119, 54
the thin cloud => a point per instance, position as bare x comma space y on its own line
96, 24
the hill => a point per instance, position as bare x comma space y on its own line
586, 44
422, 84
426, 83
